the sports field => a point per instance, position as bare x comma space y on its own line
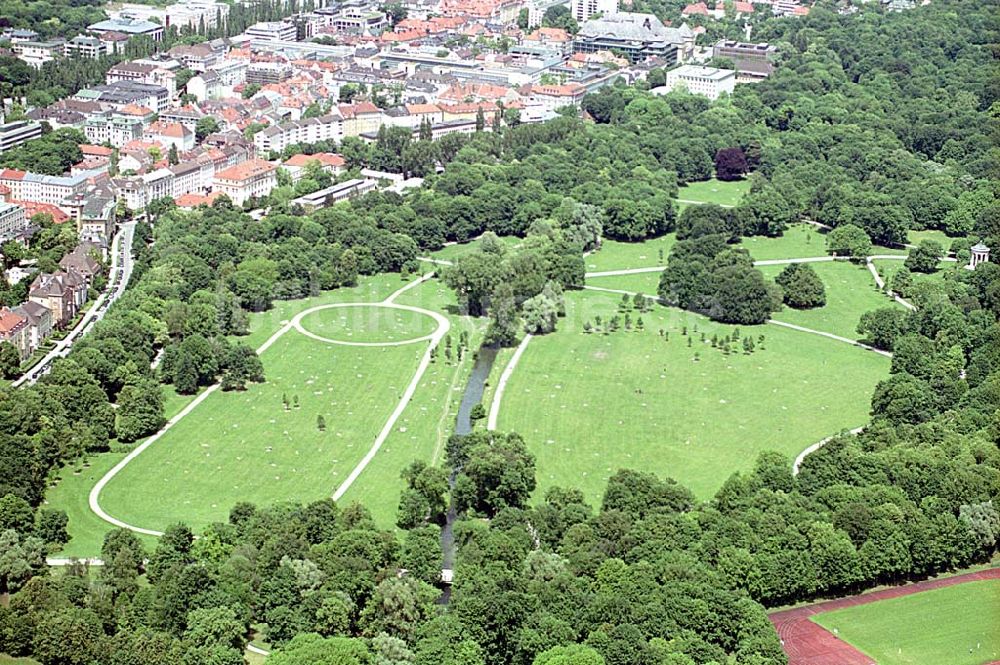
589, 404
957, 625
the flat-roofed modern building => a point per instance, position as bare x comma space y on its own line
752, 61
128, 26
637, 36
16, 133
705, 81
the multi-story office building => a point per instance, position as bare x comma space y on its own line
81, 46
37, 54
253, 178
128, 26
705, 81
39, 188
752, 61
116, 130
272, 31
16, 133
637, 36
13, 221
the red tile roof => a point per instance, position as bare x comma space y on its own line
10, 321
324, 158
246, 170
95, 150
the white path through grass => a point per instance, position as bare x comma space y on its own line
434, 338
491, 422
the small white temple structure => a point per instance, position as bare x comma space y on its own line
980, 254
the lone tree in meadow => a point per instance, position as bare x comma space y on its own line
801, 286
730, 164
925, 257
321, 423
849, 240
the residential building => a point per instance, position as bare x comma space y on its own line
122, 93
187, 178
37, 54
82, 46
17, 35
13, 221
94, 214
253, 179
636, 36
16, 133
752, 61
39, 320
128, 26
705, 81
82, 260
359, 21
278, 137
204, 86
140, 191
552, 97
170, 134
114, 41
262, 73
14, 330
61, 292
148, 73
197, 57
329, 162
272, 31
39, 188
114, 130
584, 9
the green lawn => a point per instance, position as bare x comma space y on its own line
957, 625
850, 292
614, 255
245, 446
914, 237
798, 240
888, 267
589, 404
10, 660
646, 283
452, 252
715, 191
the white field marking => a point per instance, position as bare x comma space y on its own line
297, 322
797, 464
491, 423
95, 492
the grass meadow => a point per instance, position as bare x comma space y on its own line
955, 625
589, 404
850, 292
714, 191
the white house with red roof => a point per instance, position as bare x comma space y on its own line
253, 178
170, 134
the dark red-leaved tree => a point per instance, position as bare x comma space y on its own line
730, 164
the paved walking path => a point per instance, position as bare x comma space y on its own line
443, 326
808, 643
491, 422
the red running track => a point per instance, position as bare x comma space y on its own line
808, 643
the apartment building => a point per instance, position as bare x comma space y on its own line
253, 178
14, 330
278, 137
151, 74
583, 9
13, 221
39, 188
117, 130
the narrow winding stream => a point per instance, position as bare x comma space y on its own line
463, 425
